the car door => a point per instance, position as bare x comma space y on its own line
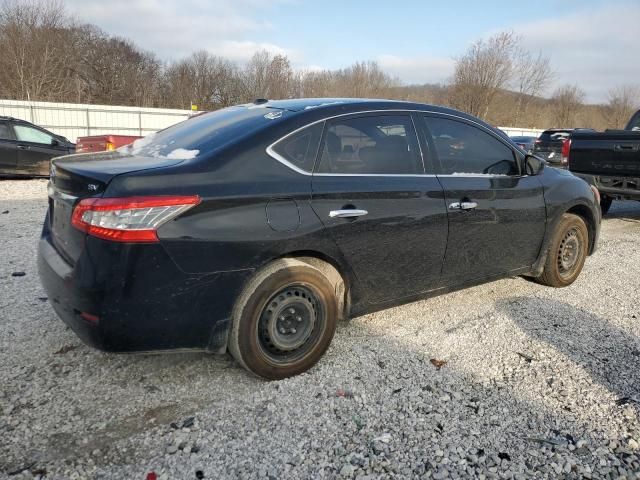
8, 149
35, 148
386, 216
497, 215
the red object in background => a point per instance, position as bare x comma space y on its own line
566, 148
152, 476
103, 143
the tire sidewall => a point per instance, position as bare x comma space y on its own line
248, 343
566, 223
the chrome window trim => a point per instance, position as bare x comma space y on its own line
276, 156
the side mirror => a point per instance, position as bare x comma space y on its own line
533, 165
55, 142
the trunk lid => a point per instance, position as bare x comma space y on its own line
75, 177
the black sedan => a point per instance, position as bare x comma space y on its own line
527, 143
25, 148
254, 229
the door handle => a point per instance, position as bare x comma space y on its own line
23, 147
347, 213
625, 148
463, 205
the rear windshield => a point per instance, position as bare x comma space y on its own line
554, 136
203, 134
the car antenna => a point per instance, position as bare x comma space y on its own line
259, 101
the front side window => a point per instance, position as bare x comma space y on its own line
382, 144
301, 148
32, 135
464, 149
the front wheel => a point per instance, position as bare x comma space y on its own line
567, 253
284, 320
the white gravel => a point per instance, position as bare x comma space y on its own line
539, 383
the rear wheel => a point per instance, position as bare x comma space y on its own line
567, 252
605, 204
284, 320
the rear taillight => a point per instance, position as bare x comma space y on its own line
129, 219
566, 148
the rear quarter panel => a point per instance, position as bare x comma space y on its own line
253, 210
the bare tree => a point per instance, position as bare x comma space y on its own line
565, 104
532, 74
208, 81
113, 70
363, 79
623, 102
267, 76
35, 39
486, 68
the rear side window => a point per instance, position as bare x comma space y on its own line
382, 144
465, 149
5, 132
204, 133
301, 148
32, 135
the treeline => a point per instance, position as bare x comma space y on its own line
48, 56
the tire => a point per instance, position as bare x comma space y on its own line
284, 319
605, 204
567, 252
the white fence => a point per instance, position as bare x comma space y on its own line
524, 132
74, 120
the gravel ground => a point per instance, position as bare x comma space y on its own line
537, 383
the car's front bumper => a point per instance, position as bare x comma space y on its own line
126, 298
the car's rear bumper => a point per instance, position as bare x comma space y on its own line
127, 298
626, 187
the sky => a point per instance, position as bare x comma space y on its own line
591, 43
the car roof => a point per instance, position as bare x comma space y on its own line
14, 119
338, 106
353, 104
568, 130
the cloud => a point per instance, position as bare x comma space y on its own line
595, 49
174, 29
417, 70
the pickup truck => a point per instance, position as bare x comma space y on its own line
609, 160
102, 143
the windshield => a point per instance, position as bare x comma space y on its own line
203, 134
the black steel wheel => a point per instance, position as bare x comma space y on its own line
567, 253
284, 320
290, 323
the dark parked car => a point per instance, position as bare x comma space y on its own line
608, 160
257, 227
25, 148
549, 144
525, 142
